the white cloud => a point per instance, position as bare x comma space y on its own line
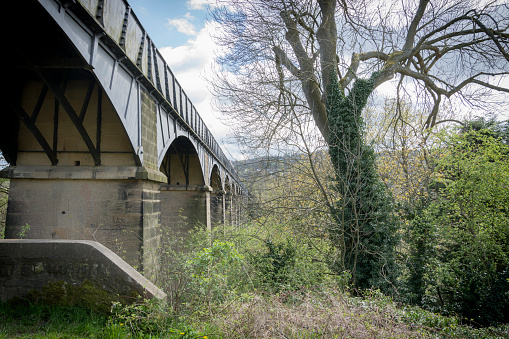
184, 25
199, 4
192, 63
142, 10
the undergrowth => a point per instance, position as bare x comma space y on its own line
306, 313
233, 283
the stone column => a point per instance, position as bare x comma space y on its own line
217, 208
185, 207
228, 213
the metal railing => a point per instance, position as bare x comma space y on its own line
123, 27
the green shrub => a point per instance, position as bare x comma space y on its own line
217, 272
460, 241
147, 319
274, 266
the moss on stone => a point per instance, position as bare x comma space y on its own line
89, 295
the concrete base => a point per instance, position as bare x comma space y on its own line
32, 264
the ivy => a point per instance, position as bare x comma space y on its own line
276, 264
364, 236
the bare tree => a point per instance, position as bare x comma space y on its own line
285, 59
283, 52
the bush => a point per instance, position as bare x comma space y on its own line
463, 233
275, 265
147, 318
217, 273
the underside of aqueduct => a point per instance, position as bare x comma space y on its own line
102, 141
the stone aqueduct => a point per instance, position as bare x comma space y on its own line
103, 142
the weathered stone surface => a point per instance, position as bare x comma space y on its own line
32, 264
119, 211
148, 126
183, 207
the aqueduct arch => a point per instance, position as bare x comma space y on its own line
185, 198
217, 201
181, 164
215, 179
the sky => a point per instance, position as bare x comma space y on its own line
181, 32
171, 23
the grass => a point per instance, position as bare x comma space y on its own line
317, 314
22, 319
331, 314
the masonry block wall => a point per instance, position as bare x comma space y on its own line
148, 130
228, 205
121, 214
151, 205
151, 234
183, 208
217, 208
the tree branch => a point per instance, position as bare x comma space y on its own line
489, 32
327, 36
307, 76
473, 80
412, 30
355, 62
285, 61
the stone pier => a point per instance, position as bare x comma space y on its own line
115, 206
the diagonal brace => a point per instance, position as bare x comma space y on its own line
30, 124
59, 94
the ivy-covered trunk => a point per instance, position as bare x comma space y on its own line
365, 234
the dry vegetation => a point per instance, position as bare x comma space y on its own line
331, 316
